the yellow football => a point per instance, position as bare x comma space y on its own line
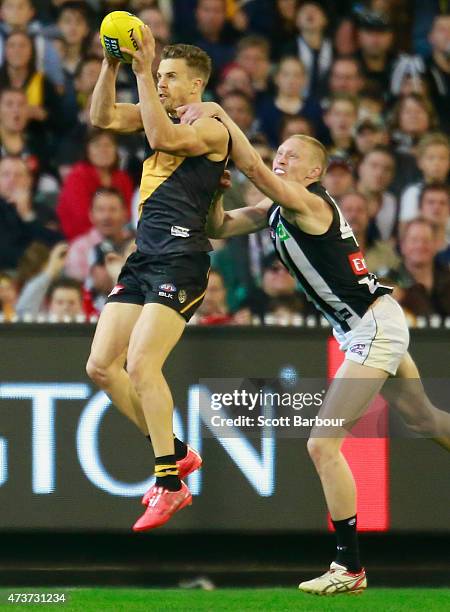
120, 29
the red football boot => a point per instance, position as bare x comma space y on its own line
185, 466
162, 505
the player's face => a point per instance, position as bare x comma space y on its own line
177, 85
293, 161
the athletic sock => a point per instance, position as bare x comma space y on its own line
347, 544
166, 473
181, 448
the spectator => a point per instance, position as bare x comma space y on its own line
345, 77
99, 170
240, 259
289, 101
379, 255
33, 295
157, 22
408, 76
295, 125
369, 133
345, 43
18, 15
434, 206
213, 32
253, 55
73, 23
282, 310
412, 117
8, 297
371, 105
338, 179
214, 308
375, 174
234, 78
276, 283
108, 215
19, 71
241, 110
19, 222
312, 46
15, 140
424, 286
438, 68
433, 159
284, 27
375, 41
340, 119
65, 300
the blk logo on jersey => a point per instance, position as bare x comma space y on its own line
358, 263
117, 289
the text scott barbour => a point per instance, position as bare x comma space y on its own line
285, 421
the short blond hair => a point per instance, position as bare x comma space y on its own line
320, 154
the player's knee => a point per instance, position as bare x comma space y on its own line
98, 373
321, 449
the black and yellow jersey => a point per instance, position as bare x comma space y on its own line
175, 196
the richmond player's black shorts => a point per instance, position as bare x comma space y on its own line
177, 281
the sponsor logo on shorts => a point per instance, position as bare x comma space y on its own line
180, 232
358, 349
117, 289
164, 294
182, 296
358, 263
169, 287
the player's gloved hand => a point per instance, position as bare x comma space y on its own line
191, 112
144, 55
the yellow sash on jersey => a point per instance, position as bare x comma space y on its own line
35, 90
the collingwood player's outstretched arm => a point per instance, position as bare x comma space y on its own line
290, 195
206, 136
227, 223
105, 113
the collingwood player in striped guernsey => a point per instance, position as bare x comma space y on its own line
164, 281
316, 244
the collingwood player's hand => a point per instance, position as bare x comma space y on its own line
225, 181
144, 55
189, 113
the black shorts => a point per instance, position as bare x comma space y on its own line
177, 281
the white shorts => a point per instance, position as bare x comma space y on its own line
381, 338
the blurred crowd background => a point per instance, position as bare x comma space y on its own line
369, 79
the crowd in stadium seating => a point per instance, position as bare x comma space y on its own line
370, 79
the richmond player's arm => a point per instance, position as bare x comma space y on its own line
224, 224
105, 113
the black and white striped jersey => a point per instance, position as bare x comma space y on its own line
330, 267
